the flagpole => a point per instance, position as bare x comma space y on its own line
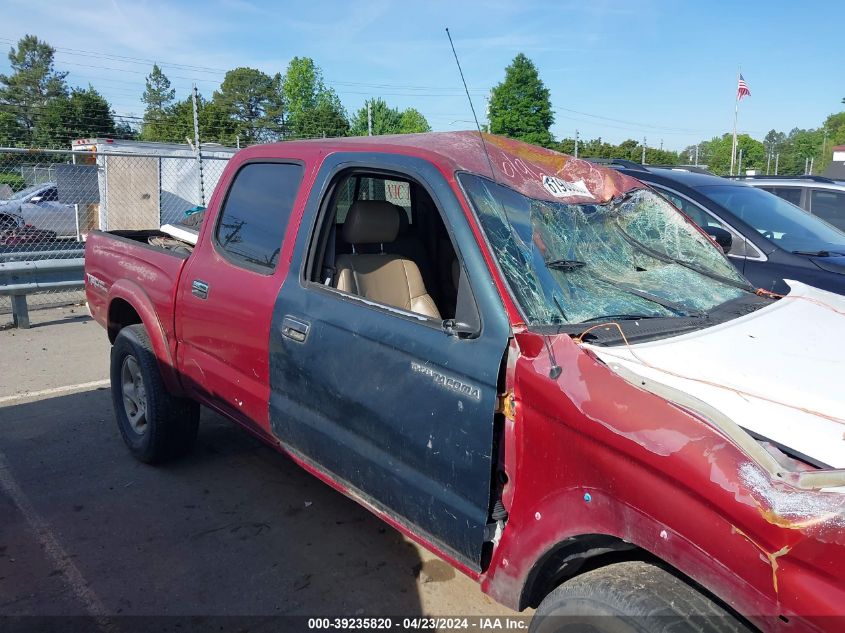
736, 114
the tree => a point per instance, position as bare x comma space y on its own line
716, 153
83, 113
158, 97
12, 132
176, 124
158, 94
386, 120
33, 82
520, 106
413, 122
313, 110
253, 101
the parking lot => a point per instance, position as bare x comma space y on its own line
234, 529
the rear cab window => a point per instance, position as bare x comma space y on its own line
255, 213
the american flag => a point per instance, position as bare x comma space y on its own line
742, 89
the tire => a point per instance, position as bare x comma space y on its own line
155, 425
631, 597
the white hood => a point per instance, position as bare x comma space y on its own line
781, 370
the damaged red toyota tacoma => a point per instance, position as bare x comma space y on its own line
536, 367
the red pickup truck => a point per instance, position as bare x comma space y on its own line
534, 366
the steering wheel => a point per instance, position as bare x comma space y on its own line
768, 235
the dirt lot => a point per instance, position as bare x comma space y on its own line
233, 529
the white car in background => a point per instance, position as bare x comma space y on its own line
39, 206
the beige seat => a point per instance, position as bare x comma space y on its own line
383, 277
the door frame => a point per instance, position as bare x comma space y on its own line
494, 324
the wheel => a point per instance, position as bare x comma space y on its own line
631, 597
155, 425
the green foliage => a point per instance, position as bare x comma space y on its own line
254, 102
412, 121
176, 124
313, 110
520, 106
157, 93
33, 82
81, 114
12, 131
716, 153
15, 181
628, 150
387, 120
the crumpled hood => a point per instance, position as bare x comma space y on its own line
779, 370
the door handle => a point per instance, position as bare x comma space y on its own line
199, 289
294, 329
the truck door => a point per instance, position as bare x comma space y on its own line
382, 398
228, 289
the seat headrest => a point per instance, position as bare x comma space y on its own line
371, 222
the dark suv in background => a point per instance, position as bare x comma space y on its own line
767, 238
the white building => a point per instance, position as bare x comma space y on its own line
143, 185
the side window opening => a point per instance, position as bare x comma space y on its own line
790, 194
384, 239
829, 206
255, 213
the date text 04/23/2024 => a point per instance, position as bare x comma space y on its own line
480, 623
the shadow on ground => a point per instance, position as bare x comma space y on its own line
233, 529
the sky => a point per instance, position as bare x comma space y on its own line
665, 70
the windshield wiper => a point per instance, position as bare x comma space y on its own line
669, 259
623, 317
814, 253
677, 308
565, 265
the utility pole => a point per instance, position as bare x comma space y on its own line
576, 143
736, 115
197, 148
777, 158
824, 142
369, 118
739, 165
696, 155
644, 146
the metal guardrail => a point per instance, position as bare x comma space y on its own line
24, 256
18, 279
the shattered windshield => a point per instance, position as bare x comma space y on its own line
632, 257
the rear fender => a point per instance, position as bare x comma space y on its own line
135, 296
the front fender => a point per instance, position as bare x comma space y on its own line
589, 453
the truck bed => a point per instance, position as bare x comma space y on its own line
125, 264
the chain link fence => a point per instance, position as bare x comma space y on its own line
51, 199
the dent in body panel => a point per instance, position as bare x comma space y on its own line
594, 454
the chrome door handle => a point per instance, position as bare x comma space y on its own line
199, 289
294, 329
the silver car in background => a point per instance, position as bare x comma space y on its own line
821, 196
